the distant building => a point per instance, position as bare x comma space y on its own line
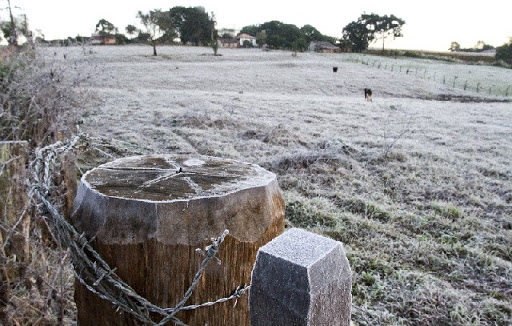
109, 40
229, 42
97, 39
246, 37
323, 47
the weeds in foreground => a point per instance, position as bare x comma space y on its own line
38, 106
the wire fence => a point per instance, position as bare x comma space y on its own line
451, 80
89, 267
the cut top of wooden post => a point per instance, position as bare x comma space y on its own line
175, 199
168, 178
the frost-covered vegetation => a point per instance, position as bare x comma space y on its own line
39, 97
416, 184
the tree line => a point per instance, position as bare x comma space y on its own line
194, 25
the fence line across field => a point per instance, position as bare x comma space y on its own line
452, 80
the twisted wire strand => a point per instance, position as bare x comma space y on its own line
88, 266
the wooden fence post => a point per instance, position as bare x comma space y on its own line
149, 214
14, 204
300, 279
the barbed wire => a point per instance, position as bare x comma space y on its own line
90, 269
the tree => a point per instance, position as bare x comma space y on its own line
261, 38
356, 37
251, 29
300, 45
121, 38
310, 33
130, 29
11, 36
105, 28
504, 53
15, 27
479, 45
151, 22
482, 46
192, 25
213, 41
227, 35
386, 26
454, 47
279, 35
372, 27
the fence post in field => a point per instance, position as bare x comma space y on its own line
506, 92
14, 206
149, 214
300, 279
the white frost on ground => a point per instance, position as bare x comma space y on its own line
448, 174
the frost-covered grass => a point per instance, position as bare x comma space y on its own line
416, 184
477, 78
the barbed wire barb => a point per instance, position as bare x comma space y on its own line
88, 266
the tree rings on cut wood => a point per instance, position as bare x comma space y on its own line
148, 215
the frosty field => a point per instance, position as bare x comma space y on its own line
417, 184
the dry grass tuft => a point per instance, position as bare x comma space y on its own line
39, 104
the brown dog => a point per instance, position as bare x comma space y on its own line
368, 94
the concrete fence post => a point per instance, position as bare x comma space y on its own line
149, 214
301, 278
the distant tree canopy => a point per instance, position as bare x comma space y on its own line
454, 47
105, 28
358, 35
130, 29
192, 25
278, 35
480, 46
15, 27
504, 53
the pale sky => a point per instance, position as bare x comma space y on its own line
430, 25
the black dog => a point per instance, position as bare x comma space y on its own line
368, 94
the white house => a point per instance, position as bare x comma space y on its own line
246, 37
